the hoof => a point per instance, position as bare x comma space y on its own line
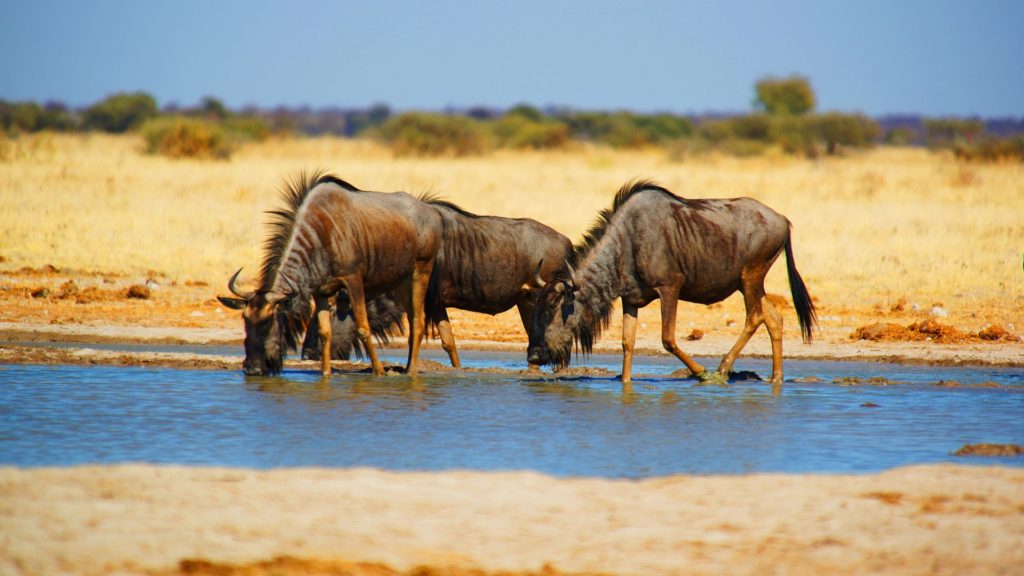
712, 378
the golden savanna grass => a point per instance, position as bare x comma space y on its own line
869, 229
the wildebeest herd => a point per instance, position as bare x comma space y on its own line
344, 266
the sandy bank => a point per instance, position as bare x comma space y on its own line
135, 518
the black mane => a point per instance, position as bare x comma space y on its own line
282, 220
436, 200
294, 315
592, 236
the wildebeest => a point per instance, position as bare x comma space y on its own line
653, 244
332, 236
486, 264
385, 316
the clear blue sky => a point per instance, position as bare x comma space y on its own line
931, 57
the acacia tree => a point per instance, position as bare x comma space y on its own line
790, 96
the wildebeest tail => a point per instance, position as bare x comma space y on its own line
801, 299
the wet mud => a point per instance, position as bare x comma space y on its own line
994, 450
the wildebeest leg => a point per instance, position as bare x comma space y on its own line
444, 328
773, 320
628, 339
526, 317
416, 312
753, 299
358, 301
323, 318
669, 301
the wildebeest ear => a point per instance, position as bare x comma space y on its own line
233, 303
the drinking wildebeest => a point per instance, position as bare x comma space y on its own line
486, 264
385, 316
653, 244
332, 236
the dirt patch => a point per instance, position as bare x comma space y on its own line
929, 330
996, 333
990, 450
139, 292
290, 566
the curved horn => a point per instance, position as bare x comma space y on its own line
234, 290
536, 275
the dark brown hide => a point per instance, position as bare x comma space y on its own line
655, 245
488, 264
331, 236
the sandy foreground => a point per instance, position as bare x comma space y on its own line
145, 519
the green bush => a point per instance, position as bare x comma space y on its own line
850, 130
521, 131
183, 137
525, 111
120, 112
663, 128
947, 132
31, 117
20, 116
794, 135
755, 127
426, 134
246, 128
626, 130
900, 136
992, 149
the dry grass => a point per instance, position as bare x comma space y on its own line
868, 229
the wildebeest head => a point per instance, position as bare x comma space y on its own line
550, 335
266, 328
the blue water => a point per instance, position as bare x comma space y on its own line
67, 415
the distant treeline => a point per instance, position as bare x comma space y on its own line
784, 121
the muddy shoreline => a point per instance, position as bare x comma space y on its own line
25, 343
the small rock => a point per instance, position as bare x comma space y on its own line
869, 405
695, 335
197, 314
41, 292
939, 311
